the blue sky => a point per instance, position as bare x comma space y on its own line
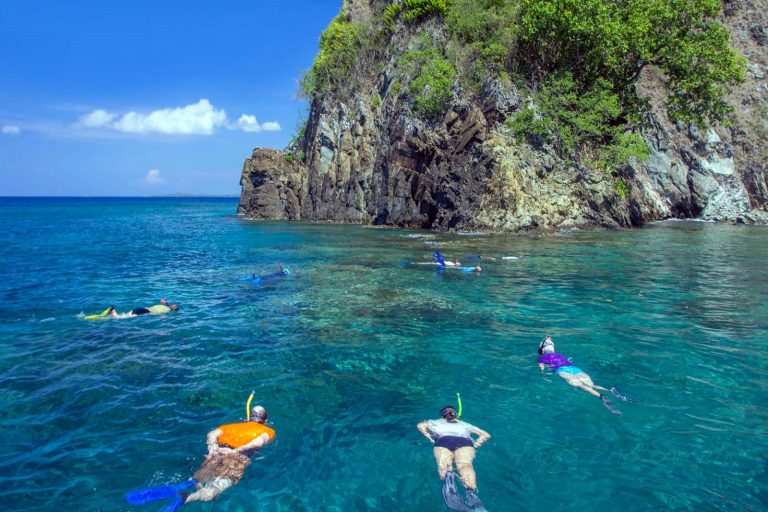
123, 98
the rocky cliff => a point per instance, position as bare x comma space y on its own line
365, 157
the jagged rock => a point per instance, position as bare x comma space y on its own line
462, 170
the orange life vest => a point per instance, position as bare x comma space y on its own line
236, 435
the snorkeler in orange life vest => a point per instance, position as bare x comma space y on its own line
230, 449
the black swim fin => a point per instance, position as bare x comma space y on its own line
451, 494
474, 503
609, 405
622, 397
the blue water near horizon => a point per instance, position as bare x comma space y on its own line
358, 345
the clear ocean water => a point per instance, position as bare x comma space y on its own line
358, 345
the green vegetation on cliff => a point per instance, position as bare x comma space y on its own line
344, 59
580, 60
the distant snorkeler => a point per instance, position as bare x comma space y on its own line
574, 376
454, 445
231, 448
253, 278
157, 309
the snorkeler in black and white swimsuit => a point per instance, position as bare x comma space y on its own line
454, 444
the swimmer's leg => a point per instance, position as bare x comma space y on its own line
210, 490
464, 457
579, 381
587, 380
444, 460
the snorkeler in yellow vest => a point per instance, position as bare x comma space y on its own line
157, 309
230, 449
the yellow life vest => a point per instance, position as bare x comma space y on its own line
236, 435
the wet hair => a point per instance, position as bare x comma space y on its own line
259, 414
447, 410
174, 307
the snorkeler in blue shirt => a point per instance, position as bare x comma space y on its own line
253, 278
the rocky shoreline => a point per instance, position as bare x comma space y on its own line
369, 160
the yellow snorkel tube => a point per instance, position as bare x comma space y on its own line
458, 398
248, 407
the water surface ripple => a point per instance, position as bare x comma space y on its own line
358, 345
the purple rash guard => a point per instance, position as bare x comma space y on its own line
555, 361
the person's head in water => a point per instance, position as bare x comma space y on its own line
172, 307
547, 346
259, 414
448, 413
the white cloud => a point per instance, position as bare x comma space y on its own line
154, 178
249, 124
10, 129
199, 118
96, 119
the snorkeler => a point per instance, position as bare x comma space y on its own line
562, 366
253, 278
157, 309
454, 444
230, 450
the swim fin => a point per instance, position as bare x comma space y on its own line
622, 397
175, 505
161, 492
474, 503
451, 494
103, 314
609, 405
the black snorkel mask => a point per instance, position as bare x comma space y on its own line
546, 341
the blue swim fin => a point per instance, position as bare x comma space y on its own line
162, 492
174, 505
451, 494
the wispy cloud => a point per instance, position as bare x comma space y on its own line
153, 177
250, 124
96, 119
200, 118
10, 129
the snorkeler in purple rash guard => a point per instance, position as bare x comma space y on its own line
563, 367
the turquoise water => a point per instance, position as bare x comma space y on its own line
357, 346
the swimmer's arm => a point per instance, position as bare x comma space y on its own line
541, 367
482, 437
423, 427
213, 440
255, 444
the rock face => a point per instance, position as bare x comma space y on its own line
369, 159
